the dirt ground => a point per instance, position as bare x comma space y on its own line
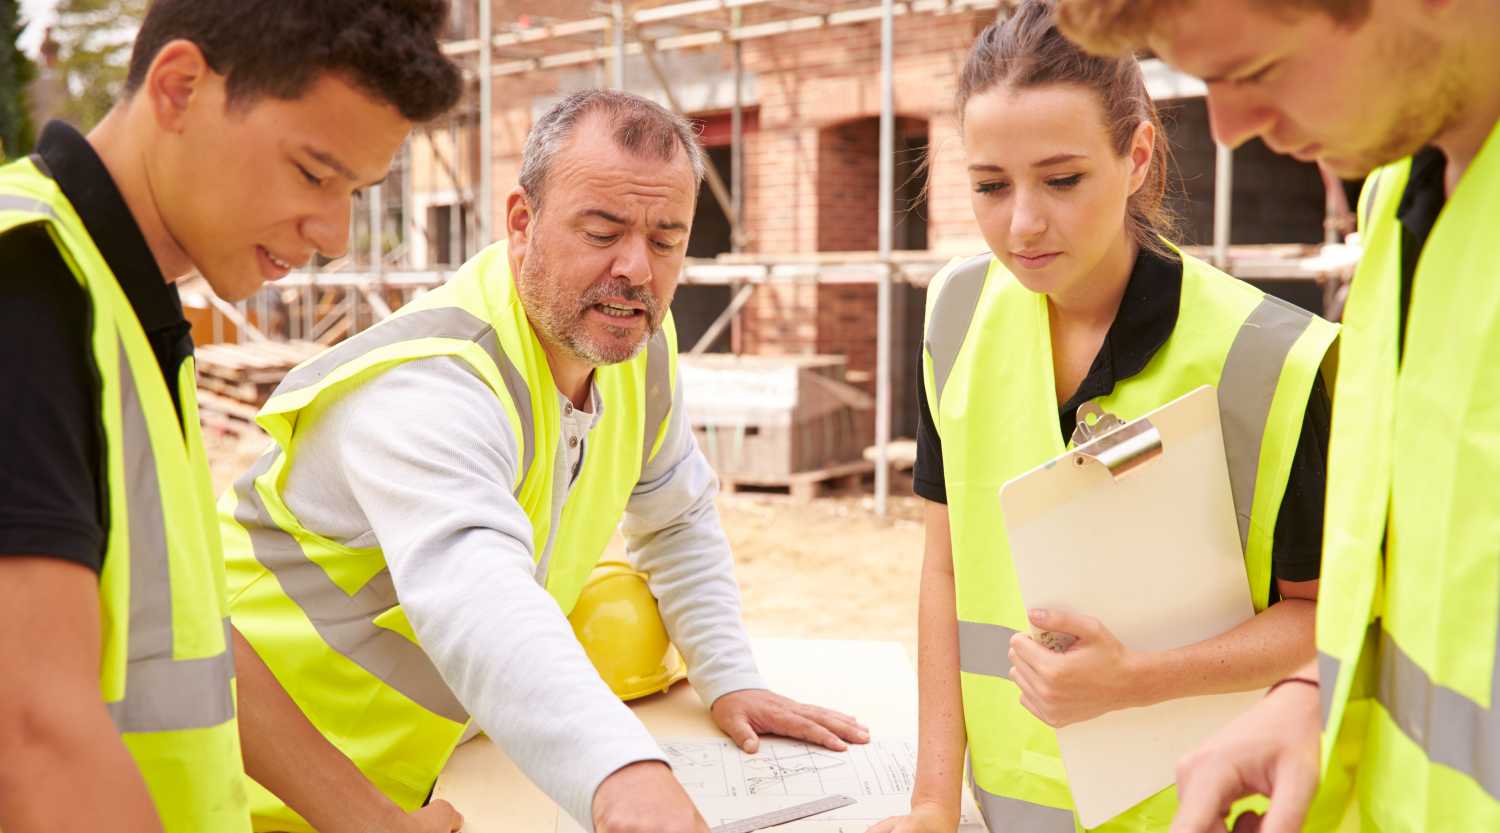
826, 568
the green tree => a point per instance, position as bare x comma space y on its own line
17, 134
95, 37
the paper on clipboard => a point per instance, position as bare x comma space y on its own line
1152, 550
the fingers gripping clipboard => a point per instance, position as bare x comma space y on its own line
1136, 527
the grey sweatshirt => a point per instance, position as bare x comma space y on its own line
421, 462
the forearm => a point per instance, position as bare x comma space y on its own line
941, 735
56, 755
1265, 648
673, 534
58, 744
287, 755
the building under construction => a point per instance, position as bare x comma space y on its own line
819, 225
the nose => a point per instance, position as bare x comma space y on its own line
1027, 220
1237, 116
328, 227
633, 261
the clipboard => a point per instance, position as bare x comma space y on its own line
1136, 527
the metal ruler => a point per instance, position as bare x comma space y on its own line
785, 815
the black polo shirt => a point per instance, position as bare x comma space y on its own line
1147, 315
52, 497
1418, 211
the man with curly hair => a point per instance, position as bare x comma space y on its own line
1406, 688
245, 129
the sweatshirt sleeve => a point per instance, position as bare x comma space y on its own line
421, 460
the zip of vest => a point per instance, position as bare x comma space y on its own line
325, 616
989, 382
167, 665
1409, 637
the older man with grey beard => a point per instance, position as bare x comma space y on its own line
441, 485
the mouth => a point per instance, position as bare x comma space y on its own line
272, 266
617, 311
1035, 260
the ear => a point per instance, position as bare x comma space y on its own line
176, 80
1142, 149
519, 220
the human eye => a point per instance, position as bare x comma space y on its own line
1259, 75
602, 239
308, 175
1063, 183
990, 187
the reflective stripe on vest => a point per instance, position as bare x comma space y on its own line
160, 590
1453, 730
442, 322
345, 622
162, 694
1247, 387
1003, 814
951, 317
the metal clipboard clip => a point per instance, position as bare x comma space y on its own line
1121, 447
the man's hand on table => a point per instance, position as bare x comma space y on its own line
745, 715
645, 797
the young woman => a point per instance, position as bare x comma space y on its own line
1082, 300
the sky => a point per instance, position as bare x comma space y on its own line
39, 13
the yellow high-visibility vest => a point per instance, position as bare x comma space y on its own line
167, 664
325, 617
1409, 632
989, 383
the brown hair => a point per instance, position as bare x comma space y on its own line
1028, 51
1117, 27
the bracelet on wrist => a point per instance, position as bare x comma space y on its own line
1283, 681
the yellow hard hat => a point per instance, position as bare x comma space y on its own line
619, 626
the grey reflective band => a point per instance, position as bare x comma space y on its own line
1328, 675
162, 694
1453, 730
951, 314
12, 202
984, 648
1003, 814
345, 623
1247, 386
658, 398
440, 322
1374, 190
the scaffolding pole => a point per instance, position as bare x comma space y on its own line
618, 27
486, 125
715, 183
883, 303
737, 135
1223, 200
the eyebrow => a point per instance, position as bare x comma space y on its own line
338, 167
664, 225
1054, 159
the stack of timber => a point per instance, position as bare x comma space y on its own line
234, 380
787, 423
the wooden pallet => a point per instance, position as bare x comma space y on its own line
803, 485
234, 380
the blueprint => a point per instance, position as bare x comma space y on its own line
727, 784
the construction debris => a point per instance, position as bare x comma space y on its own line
235, 380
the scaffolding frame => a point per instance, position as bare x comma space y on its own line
328, 302
334, 300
